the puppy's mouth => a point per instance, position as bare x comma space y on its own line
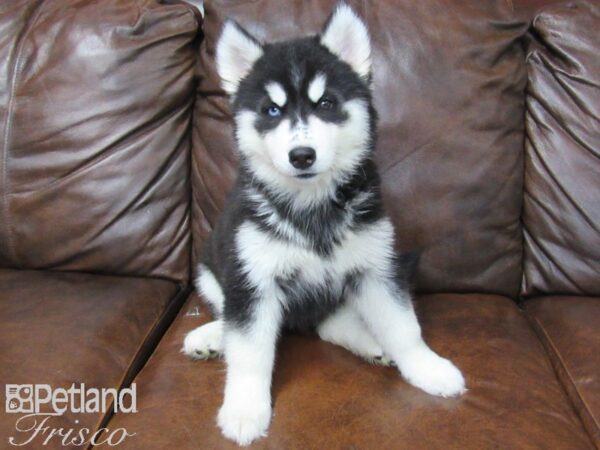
305, 176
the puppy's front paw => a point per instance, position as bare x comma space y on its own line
244, 422
432, 373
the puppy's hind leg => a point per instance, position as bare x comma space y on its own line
346, 329
208, 286
388, 312
206, 342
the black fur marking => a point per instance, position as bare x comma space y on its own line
293, 65
328, 221
308, 305
352, 282
405, 265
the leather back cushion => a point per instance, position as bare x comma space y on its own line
562, 171
95, 104
448, 84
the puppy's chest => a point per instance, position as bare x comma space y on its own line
309, 284
272, 260
312, 286
302, 277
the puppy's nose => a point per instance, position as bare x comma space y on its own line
302, 157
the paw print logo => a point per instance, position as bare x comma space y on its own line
19, 398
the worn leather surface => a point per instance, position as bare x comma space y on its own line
324, 397
448, 83
569, 327
95, 106
528, 9
561, 214
61, 328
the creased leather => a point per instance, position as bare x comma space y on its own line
528, 9
95, 145
561, 215
326, 398
60, 328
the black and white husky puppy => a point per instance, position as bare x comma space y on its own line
304, 241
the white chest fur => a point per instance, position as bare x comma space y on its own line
266, 257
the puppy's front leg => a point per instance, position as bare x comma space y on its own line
389, 314
250, 353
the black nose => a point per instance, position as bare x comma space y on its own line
302, 157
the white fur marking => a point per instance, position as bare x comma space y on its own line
209, 287
370, 248
347, 37
204, 342
276, 93
272, 217
250, 354
235, 55
346, 329
394, 325
316, 88
423, 368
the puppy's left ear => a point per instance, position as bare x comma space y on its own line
346, 36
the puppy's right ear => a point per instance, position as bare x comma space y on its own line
237, 51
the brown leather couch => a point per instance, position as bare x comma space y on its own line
116, 157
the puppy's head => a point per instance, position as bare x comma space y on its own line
302, 108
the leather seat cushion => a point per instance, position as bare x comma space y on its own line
325, 397
570, 330
63, 328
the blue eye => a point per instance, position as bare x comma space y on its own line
274, 111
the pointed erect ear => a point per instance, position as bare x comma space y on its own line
237, 51
346, 36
